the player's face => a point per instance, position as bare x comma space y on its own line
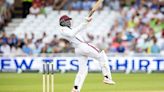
68, 22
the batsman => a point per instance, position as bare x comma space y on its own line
84, 50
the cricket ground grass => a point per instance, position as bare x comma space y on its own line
32, 82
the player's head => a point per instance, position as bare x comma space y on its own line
65, 21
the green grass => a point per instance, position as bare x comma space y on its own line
10, 82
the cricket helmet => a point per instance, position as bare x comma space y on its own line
64, 20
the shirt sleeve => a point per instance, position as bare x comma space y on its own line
76, 30
72, 32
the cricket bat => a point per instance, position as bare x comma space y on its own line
95, 7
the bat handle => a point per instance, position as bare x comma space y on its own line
91, 13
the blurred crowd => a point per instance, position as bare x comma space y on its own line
139, 27
11, 44
135, 31
6, 9
45, 6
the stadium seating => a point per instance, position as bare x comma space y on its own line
102, 21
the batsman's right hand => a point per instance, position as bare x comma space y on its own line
88, 19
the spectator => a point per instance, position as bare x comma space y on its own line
31, 45
1, 41
4, 14
86, 5
9, 41
50, 2
39, 45
26, 49
5, 48
10, 6
38, 3
35, 10
55, 41
3, 10
141, 43
45, 49
36, 51
20, 43
48, 8
76, 4
108, 40
4, 37
10, 3
118, 38
25, 40
26, 7
16, 51
67, 48
155, 48
14, 39
154, 4
1, 23
62, 45
130, 36
114, 5
59, 4
54, 44
121, 49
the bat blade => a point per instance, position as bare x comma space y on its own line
95, 7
